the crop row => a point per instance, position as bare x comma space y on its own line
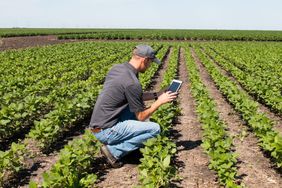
156, 168
179, 35
146, 34
260, 76
269, 139
75, 165
216, 141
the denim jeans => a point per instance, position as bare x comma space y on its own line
128, 134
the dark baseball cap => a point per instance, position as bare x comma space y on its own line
143, 50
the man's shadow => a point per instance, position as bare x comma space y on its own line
184, 145
133, 157
188, 144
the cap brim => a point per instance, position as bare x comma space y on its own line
156, 60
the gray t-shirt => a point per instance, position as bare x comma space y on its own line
121, 89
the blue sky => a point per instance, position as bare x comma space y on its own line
177, 14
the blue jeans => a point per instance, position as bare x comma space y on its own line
128, 134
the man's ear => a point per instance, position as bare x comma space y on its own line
143, 59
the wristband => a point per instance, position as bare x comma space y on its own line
155, 96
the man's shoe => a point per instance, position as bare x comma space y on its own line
110, 158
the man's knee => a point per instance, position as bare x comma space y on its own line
155, 128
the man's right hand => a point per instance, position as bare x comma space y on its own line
167, 97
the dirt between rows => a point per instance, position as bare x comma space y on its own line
191, 159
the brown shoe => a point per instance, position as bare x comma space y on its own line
110, 158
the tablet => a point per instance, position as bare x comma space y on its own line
175, 85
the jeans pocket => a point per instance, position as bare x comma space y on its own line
102, 136
113, 137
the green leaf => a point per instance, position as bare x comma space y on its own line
166, 161
32, 184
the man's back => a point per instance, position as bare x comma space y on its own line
121, 87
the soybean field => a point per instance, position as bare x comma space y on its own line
224, 129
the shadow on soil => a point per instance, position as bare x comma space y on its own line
188, 144
133, 158
182, 145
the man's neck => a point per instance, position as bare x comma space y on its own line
135, 64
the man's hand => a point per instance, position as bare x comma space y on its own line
162, 99
167, 97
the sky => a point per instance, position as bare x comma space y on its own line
159, 14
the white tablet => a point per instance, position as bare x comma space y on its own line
175, 85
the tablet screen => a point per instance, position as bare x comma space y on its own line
174, 86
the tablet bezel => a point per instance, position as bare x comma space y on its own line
179, 82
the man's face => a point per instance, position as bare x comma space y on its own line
146, 64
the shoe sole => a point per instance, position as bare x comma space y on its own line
111, 160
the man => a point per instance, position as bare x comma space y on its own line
119, 116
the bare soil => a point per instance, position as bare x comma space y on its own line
254, 169
192, 161
29, 41
43, 164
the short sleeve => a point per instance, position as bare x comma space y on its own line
133, 95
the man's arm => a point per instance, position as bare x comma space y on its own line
163, 98
149, 96
152, 95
